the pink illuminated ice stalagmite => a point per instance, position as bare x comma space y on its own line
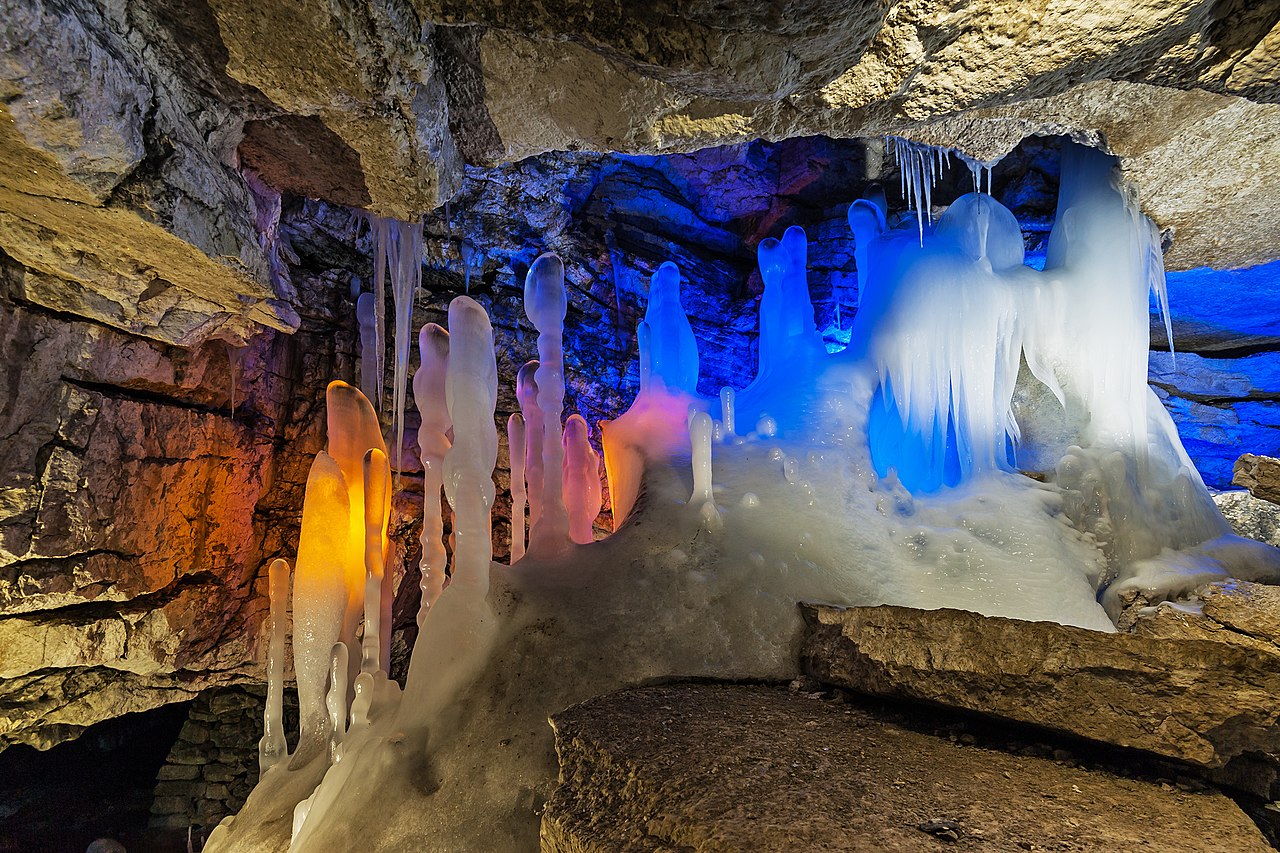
516, 449
320, 597
527, 394
545, 303
581, 480
433, 442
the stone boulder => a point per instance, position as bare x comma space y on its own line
716, 767
1260, 475
1198, 688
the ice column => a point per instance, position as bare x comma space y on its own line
527, 394
433, 443
273, 748
375, 647
319, 597
471, 389
545, 303
370, 378
672, 350
582, 494
516, 449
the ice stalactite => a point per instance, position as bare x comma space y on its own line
433, 444
918, 166
320, 596
399, 248
668, 349
581, 480
516, 450
527, 395
370, 358
545, 303
273, 748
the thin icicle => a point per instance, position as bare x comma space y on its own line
397, 249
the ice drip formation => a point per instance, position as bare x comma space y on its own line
987, 441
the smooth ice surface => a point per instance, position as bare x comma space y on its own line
581, 480
527, 395
889, 473
320, 595
517, 448
370, 361
273, 748
433, 444
671, 351
545, 303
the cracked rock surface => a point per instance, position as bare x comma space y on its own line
721, 767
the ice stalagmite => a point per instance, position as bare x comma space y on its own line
353, 430
789, 343
376, 643
545, 303
458, 634
320, 596
516, 450
370, 378
336, 699
867, 220
273, 748
702, 500
433, 443
581, 481
727, 415
471, 389
527, 394
669, 348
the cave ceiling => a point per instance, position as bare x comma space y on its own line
146, 142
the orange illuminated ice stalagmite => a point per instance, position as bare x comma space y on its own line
354, 430
320, 597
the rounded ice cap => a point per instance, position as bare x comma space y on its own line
545, 301
982, 227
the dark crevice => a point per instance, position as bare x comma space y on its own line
92, 611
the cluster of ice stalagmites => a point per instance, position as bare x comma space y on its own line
888, 473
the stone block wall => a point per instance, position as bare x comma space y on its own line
213, 765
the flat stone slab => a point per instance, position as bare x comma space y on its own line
1186, 686
727, 768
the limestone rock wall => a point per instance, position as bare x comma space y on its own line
142, 488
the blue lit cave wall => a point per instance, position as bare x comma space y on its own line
614, 219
